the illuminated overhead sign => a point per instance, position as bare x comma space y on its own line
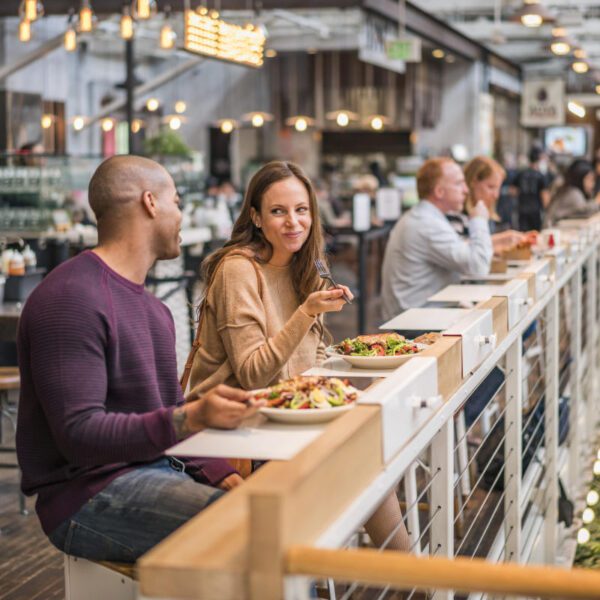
215, 38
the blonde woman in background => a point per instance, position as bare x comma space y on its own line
484, 178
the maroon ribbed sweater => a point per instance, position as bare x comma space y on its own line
98, 386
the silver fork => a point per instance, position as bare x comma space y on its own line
325, 274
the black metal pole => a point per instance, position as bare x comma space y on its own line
129, 88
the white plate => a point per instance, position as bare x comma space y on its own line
307, 415
374, 362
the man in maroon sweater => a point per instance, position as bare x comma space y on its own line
100, 399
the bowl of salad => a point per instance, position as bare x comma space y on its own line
377, 351
307, 399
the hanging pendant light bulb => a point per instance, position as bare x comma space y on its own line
107, 125
86, 17
580, 66
24, 30
174, 123
180, 107
258, 120
136, 125
152, 104
46, 121
533, 14
126, 24
560, 46
78, 123
144, 9
70, 39
31, 10
167, 37
227, 126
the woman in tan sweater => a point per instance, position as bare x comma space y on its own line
261, 319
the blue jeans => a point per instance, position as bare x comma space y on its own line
133, 513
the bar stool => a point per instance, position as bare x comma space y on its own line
9, 380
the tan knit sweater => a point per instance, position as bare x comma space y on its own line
251, 337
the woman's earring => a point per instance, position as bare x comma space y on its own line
257, 225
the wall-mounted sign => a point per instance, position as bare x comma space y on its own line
543, 103
406, 48
373, 37
218, 39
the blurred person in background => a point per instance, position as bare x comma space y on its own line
574, 199
425, 253
484, 177
533, 190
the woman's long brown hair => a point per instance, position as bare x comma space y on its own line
248, 239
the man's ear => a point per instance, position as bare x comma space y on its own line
149, 203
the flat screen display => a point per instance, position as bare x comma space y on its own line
566, 140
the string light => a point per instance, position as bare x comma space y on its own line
227, 126
180, 107
167, 37
592, 498
560, 46
597, 467
70, 39
24, 30
152, 104
174, 123
31, 10
588, 516
78, 123
580, 66
85, 17
46, 121
144, 9
377, 123
583, 536
126, 24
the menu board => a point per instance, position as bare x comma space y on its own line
213, 37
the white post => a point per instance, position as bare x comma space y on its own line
551, 430
442, 497
512, 451
575, 414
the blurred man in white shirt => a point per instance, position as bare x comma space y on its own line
424, 253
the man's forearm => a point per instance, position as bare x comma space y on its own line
180, 423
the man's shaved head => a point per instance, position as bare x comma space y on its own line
120, 181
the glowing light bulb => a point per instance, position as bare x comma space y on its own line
174, 123
342, 119
377, 123
532, 20
583, 536
46, 121
202, 10
588, 515
31, 10
136, 125
126, 25
560, 48
270, 53
258, 120
227, 126
107, 125
85, 17
579, 53
142, 9
592, 498
597, 467
78, 123
70, 40
300, 124
214, 14
24, 30
180, 107
438, 53
167, 37
152, 104
580, 67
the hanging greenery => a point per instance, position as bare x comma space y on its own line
167, 143
588, 553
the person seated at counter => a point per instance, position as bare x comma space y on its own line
574, 198
100, 398
261, 319
484, 177
424, 253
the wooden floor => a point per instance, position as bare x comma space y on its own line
30, 567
